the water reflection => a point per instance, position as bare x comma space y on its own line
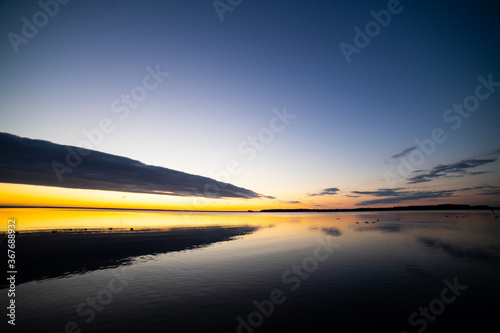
47, 255
332, 231
461, 251
422, 274
390, 228
201, 271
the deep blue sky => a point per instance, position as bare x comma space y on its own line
226, 77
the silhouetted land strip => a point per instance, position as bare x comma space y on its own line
385, 209
299, 210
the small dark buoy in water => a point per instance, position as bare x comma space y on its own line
357, 222
131, 229
373, 221
110, 228
367, 222
54, 231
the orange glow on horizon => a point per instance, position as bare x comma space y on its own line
46, 196
99, 220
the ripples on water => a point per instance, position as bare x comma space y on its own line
205, 272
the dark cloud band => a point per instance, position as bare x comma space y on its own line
458, 169
27, 161
326, 191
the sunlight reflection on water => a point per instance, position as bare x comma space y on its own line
200, 272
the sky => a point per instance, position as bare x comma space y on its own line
296, 104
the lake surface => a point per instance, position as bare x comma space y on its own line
87, 271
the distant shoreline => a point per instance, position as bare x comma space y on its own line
278, 210
385, 209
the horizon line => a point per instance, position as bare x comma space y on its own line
271, 210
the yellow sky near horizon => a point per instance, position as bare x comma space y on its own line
33, 195
46, 196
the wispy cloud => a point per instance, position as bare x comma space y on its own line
497, 192
492, 152
482, 187
458, 169
326, 191
398, 195
488, 190
293, 202
383, 192
404, 152
27, 161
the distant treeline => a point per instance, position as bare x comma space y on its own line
400, 208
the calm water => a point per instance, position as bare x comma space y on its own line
253, 272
